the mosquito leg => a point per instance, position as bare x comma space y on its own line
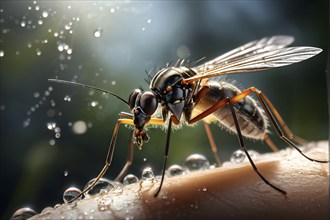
242, 144
270, 109
129, 159
110, 151
279, 118
167, 147
270, 143
212, 143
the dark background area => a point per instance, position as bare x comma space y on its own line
41, 40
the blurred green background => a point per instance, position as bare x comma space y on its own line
110, 45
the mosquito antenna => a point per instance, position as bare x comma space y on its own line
87, 86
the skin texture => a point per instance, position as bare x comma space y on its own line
233, 191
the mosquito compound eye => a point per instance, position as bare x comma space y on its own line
132, 97
148, 103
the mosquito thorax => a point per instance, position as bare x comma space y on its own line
171, 92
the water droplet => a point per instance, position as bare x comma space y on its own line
149, 20
45, 14
37, 7
112, 10
57, 135
23, 213
98, 32
36, 95
2, 53
66, 173
52, 142
23, 24
237, 157
253, 154
148, 174
2, 107
40, 22
51, 125
69, 51
67, 98
182, 52
197, 162
26, 123
143, 29
79, 127
70, 194
175, 170
67, 27
130, 179
38, 52
57, 129
94, 103
102, 186
60, 47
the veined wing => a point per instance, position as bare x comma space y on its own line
246, 50
255, 56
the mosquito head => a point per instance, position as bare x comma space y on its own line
142, 105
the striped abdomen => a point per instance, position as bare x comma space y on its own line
251, 118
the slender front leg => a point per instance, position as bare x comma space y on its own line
129, 159
121, 120
167, 147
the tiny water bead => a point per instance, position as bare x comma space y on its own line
67, 98
23, 213
51, 125
237, 156
253, 154
70, 194
102, 186
94, 103
45, 14
79, 127
130, 179
148, 174
175, 170
196, 162
98, 32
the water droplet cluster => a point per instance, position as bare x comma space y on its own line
194, 162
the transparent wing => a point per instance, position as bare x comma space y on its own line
269, 52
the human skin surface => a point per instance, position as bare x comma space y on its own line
233, 191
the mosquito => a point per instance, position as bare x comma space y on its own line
185, 94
